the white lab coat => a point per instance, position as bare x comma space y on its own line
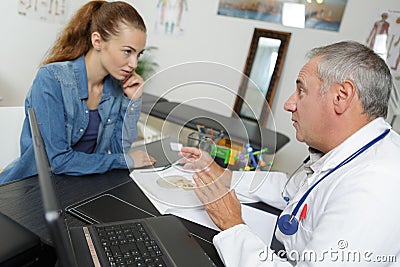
353, 215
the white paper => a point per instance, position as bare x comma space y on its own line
260, 222
167, 197
198, 216
176, 146
185, 204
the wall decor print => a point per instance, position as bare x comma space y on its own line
315, 14
171, 16
53, 11
383, 36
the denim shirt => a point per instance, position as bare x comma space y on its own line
58, 95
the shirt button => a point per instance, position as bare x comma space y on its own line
81, 130
86, 111
108, 120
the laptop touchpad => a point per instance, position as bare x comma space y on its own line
107, 208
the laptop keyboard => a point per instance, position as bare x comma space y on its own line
129, 245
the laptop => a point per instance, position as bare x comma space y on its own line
155, 241
121, 197
19, 246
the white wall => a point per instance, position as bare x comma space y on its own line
23, 44
207, 37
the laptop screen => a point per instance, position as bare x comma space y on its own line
52, 212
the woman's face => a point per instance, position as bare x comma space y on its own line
120, 54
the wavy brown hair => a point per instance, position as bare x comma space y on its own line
95, 16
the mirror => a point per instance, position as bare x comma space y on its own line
261, 74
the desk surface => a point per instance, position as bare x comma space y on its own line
21, 201
148, 99
238, 129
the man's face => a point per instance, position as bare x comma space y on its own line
308, 106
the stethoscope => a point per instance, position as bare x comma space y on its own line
286, 198
288, 224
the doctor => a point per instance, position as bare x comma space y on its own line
342, 207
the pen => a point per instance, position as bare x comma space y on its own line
303, 214
200, 128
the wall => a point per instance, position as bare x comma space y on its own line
23, 44
207, 37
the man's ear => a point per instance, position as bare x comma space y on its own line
96, 41
343, 96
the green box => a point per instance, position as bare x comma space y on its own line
221, 152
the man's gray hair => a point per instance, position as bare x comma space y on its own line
349, 60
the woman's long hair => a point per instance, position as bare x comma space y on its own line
95, 16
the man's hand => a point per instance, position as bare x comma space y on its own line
222, 205
212, 187
199, 160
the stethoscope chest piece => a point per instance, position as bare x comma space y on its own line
288, 225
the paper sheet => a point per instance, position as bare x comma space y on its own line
183, 202
168, 189
260, 222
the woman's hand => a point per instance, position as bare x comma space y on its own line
141, 158
133, 86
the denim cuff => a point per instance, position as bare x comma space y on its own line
128, 161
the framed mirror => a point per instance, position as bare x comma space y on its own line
261, 74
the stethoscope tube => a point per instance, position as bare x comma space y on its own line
288, 224
286, 198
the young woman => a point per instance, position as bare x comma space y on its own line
87, 96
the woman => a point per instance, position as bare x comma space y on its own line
87, 96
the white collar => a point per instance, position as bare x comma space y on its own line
349, 146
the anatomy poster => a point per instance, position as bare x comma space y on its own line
384, 38
52, 11
171, 16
